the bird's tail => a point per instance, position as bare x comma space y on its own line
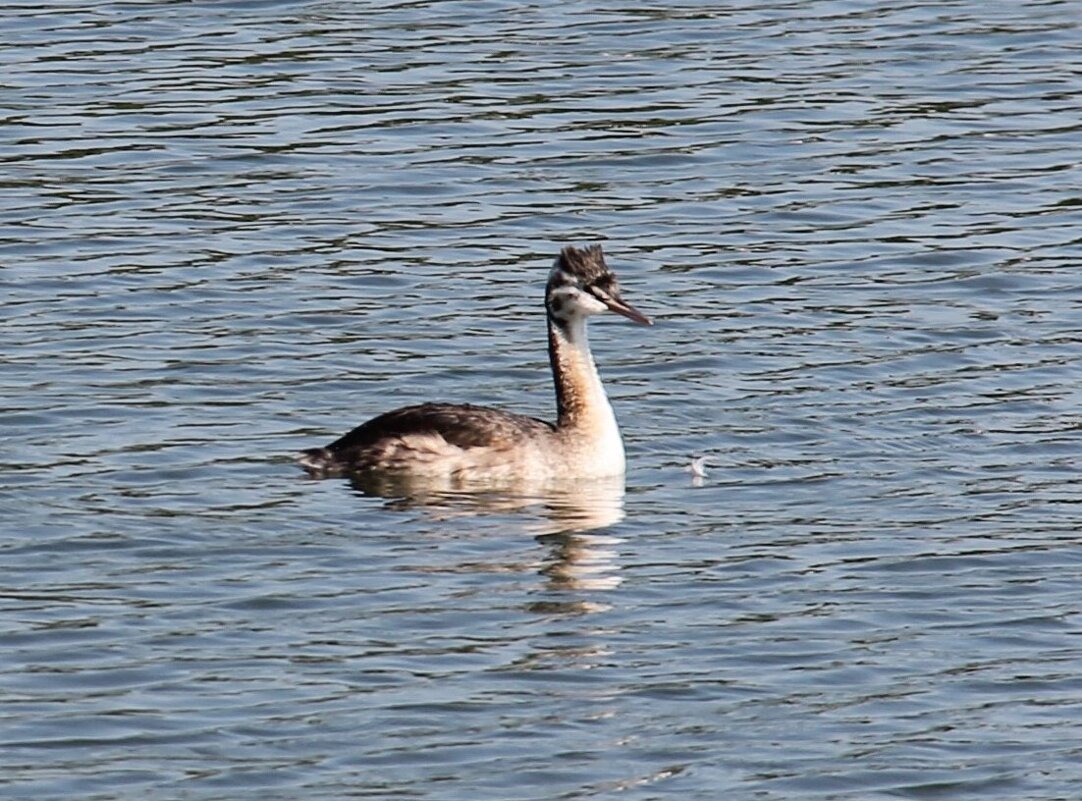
318, 461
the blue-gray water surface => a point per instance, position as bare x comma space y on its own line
232, 230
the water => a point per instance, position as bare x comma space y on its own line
230, 230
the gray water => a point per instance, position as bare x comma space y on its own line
231, 230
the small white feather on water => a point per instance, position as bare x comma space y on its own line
697, 468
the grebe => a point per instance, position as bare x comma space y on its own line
463, 442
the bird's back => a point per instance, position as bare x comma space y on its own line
445, 436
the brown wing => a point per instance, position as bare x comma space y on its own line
461, 425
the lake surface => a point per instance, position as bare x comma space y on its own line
232, 230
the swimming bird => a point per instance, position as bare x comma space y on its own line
462, 443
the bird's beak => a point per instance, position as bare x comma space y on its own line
618, 305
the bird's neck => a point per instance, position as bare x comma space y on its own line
581, 403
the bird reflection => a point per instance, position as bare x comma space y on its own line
565, 517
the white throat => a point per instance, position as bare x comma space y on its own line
585, 414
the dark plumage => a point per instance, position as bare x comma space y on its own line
373, 444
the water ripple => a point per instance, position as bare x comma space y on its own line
230, 230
